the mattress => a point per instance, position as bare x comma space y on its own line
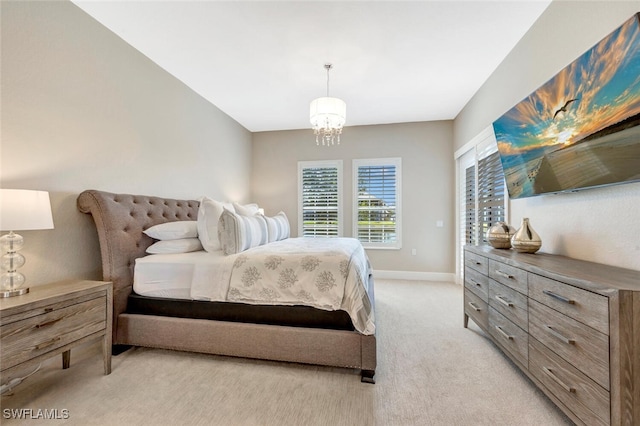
162, 286
170, 275
329, 275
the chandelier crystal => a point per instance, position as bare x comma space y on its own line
327, 116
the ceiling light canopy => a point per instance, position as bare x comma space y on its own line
327, 116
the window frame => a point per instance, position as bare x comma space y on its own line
315, 164
392, 161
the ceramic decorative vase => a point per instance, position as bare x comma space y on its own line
499, 235
526, 240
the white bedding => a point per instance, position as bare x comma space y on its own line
172, 275
305, 264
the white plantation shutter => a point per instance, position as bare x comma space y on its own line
481, 189
469, 223
377, 205
320, 205
491, 191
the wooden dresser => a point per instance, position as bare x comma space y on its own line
573, 327
50, 320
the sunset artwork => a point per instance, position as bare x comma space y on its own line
581, 128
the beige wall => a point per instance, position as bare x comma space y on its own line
427, 182
82, 109
599, 225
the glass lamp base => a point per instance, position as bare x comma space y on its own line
14, 292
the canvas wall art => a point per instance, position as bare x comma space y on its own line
580, 129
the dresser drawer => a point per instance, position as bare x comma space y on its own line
509, 303
477, 309
477, 283
28, 338
582, 346
474, 261
510, 336
587, 400
510, 276
582, 305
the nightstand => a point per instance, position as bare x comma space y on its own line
50, 320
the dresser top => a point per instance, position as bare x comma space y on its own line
588, 275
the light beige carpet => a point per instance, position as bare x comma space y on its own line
431, 371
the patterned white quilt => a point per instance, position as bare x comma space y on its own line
326, 273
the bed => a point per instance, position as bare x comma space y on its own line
269, 331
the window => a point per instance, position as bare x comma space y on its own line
376, 208
481, 188
320, 198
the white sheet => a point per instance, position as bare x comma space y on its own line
208, 276
172, 275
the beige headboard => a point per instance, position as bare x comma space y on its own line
120, 220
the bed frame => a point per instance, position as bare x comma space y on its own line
120, 220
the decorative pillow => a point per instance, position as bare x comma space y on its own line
247, 209
182, 245
278, 227
208, 216
173, 230
238, 233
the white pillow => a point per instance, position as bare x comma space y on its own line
238, 233
183, 245
278, 227
208, 216
173, 230
247, 209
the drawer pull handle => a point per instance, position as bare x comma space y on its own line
558, 297
503, 301
560, 336
478, 263
505, 335
47, 310
48, 323
49, 343
476, 283
504, 274
474, 307
555, 378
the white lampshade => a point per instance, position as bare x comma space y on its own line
328, 111
24, 210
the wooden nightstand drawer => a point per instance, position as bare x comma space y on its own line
581, 346
581, 305
509, 303
508, 275
589, 401
31, 337
45, 308
510, 336
477, 309
479, 263
477, 283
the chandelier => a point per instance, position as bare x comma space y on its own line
327, 117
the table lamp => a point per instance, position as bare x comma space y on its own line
20, 210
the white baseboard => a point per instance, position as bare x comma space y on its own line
414, 275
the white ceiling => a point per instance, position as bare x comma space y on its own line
262, 62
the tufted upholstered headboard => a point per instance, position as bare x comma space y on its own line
120, 220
